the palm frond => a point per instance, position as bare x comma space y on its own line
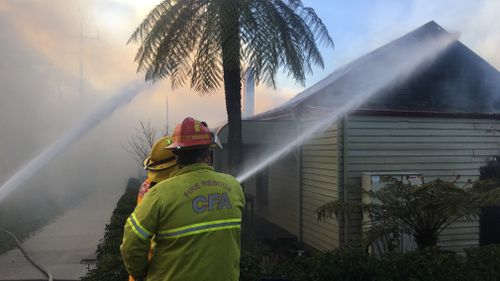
257, 40
489, 197
206, 74
169, 34
187, 38
381, 237
337, 208
277, 34
172, 57
150, 21
226, 31
422, 211
318, 27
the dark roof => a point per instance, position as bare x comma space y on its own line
454, 81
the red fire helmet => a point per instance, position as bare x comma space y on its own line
192, 134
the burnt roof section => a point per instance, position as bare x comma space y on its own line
456, 81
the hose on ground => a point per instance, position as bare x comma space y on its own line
37, 266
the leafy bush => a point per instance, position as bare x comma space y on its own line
249, 267
421, 211
431, 264
483, 263
348, 265
426, 265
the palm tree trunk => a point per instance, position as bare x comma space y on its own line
232, 86
426, 239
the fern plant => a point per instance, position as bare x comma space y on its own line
422, 211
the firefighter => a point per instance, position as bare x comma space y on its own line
160, 163
194, 217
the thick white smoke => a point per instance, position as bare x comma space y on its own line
124, 96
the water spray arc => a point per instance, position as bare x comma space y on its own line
126, 94
418, 57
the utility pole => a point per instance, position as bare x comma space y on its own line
82, 78
82, 52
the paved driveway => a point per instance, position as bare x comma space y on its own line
61, 245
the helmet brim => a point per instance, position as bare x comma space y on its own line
146, 161
189, 145
161, 167
195, 144
216, 141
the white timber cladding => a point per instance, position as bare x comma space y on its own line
282, 208
435, 147
320, 178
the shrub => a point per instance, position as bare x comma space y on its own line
250, 267
258, 259
426, 265
421, 211
431, 264
345, 265
483, 263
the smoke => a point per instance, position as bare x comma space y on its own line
381, 73
69, 138
476, 20
39, 102
40, 97
43, 62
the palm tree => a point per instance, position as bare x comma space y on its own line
422, 212
205, 43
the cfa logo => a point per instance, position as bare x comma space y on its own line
211, 202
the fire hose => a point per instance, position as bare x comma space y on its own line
37, 266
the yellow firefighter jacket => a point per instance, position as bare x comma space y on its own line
195, 218
153, 178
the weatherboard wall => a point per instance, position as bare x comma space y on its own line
435, 147
282, 206
319, 181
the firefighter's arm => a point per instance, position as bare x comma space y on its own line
139, 229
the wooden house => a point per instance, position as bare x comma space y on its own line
440, 121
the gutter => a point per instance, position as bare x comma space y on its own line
319, 111
301, 224
345, 176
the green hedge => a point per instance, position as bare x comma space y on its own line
109, 264
483, 263
258, 260
480, 264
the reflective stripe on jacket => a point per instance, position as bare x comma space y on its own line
195, 218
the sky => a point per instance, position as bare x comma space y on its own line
50, 46
356, 26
